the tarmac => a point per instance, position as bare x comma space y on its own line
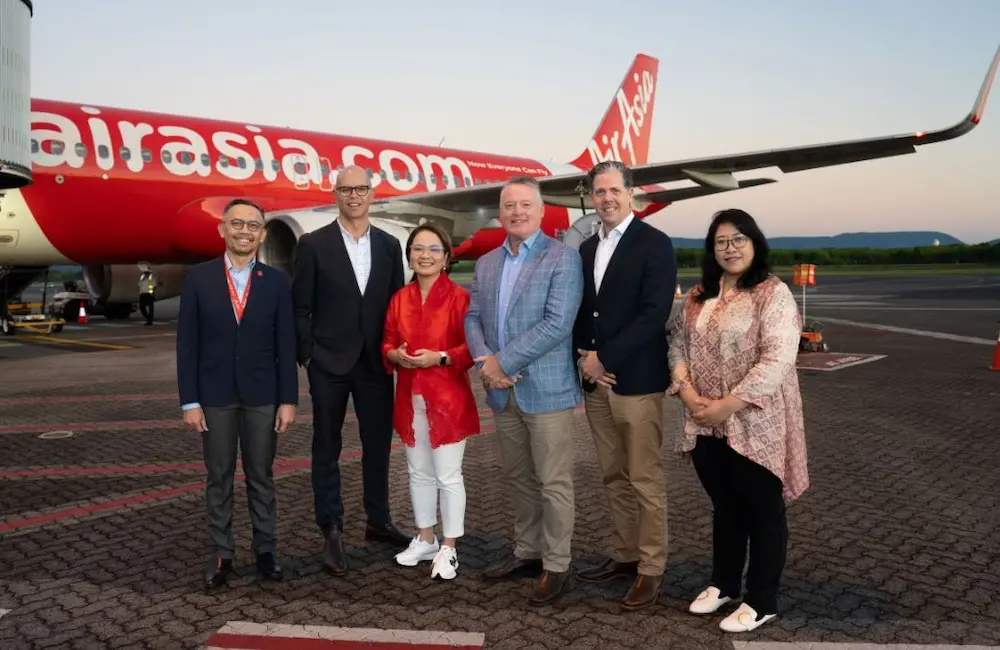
895, 544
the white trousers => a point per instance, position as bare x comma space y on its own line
434, 470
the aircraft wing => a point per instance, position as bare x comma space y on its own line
715, 174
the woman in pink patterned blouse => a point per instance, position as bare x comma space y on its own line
732, 359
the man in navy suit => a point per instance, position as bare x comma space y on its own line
238, 381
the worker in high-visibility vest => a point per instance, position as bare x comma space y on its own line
147, 295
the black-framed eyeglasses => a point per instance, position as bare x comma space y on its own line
252, 226
739, 241
360, 190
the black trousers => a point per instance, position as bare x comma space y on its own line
146, 304
748, 507
251, 428
372, 391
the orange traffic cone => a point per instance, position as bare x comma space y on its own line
82, 318
996, 355
677, 291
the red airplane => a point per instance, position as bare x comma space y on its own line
114, 188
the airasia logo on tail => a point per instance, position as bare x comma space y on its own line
631, 117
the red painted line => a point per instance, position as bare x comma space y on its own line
283, 463
251, 642
152, 496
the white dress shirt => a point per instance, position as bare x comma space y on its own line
606, 245
360, 252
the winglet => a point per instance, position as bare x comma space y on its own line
971, 120
984, 91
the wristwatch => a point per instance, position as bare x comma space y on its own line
444, 359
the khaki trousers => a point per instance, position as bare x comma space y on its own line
628, 433
536, 450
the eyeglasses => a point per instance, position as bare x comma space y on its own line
433, 250
252, 226
739, 241
360, 190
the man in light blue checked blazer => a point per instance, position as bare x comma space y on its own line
524, 300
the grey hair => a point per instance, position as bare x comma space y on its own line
610, 166
522, 179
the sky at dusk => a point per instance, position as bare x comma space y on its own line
534, 78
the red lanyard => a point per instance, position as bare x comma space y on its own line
238, 303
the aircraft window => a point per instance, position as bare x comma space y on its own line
409, 176
103, 151
433, 179
147, 155
467, 183
420, 177
258, 164
395, 175
369, 172
80, 149
340, 168
300, 168
205, 160
243, 162
275, 165
186, 157
57, 147
324, 169
223, 161
125, 153
383, 174
34, 146
165, 156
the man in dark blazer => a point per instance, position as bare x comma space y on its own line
238, 381
345, 274
629, 270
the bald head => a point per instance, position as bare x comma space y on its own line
354, 193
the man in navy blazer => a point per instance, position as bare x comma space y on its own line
238, 381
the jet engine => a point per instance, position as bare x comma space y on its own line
284, 228
114, 289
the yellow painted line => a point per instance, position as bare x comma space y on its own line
52, 339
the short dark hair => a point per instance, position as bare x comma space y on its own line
711, 272
437, 230
610, 166
235, 202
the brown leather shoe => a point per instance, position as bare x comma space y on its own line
334, 559
608, 571
643, 593
511, 566
549, 587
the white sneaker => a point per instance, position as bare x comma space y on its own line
744, 619
708, 601
418, 551
445, 563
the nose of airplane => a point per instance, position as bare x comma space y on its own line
22, 241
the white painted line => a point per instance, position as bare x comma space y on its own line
372, 636
849, 364
906, 330
809, 645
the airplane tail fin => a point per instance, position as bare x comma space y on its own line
623, 134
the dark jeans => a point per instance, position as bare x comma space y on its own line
372, 390
252, 429
748, 506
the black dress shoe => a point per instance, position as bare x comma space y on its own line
334, 559
608, 571
218, 571
388, 533
268, 567
512, 566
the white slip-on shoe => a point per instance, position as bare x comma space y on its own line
708, 601
743, 619
418, 551
445, 563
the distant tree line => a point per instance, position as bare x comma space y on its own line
950, 254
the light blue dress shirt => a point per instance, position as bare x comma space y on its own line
240, 278
508, 277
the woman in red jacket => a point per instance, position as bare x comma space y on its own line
435, 410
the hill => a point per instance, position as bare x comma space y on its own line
880, 240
